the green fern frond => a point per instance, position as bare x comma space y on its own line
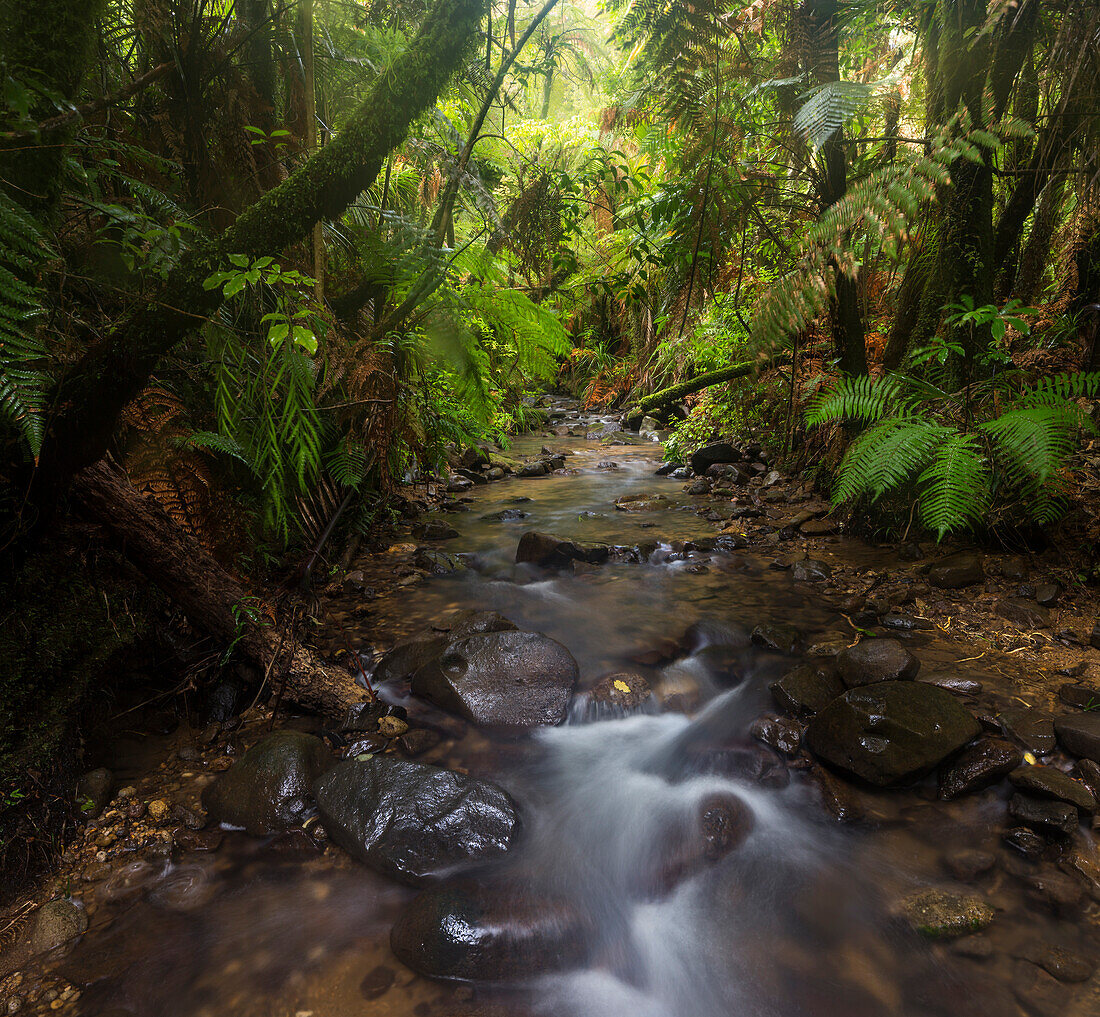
1034, 441
1060, 388
955, 487
24, 385
887, 455
829, 107
866, 399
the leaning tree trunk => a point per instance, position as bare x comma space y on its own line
111, 374
212, 599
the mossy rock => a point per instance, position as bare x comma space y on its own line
938, 914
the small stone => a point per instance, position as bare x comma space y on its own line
54, 924
968, 865
1048, 594
780, 638
1032, 728
1080, 696
377, 982
810, 571
956, 571
982, 764
783, 735
1024, 613
158, 810
392, 727
938, 914
876, 660
1063, 964
1049, 782
1080, 734
1054, 817
806, 690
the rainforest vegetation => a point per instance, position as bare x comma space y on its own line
274, 263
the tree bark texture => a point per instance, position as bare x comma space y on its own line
211, 598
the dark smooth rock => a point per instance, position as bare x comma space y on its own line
1048, 594
719, 452
532, 470
505, 516
93, 792
406, 657
1088, 773
1042, 814
269, 789
438, 563
981, 765
1024, 841
784, 639
503, 680
1032, 728
1060, 891
641, 502
727, 471
1080, 696
700, 486
469, 931
956, 571
819, 527
435, 529
806, 690
876, 660
556, 552
968, 865
666, 468
905, 622
377, 982
783, 735
617, 695
1049, 782
413, 822
891, 732
1023, 612
959, 686
1080, 734
810, 571
1063, 964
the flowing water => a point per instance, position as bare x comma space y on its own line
799, 920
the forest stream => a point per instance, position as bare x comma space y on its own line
667, 863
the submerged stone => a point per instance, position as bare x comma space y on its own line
938, 914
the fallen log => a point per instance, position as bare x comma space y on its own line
674, 393
213, 600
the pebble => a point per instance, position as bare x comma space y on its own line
158, 810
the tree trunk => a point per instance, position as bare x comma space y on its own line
845, 313
210, 597
112, 373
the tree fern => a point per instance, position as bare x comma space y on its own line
24, 386
864, 398
829, 107
954, 486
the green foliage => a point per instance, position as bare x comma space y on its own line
24, 385
968, 462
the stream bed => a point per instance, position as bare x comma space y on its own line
799, 919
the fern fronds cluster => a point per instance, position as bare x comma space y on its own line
964, 468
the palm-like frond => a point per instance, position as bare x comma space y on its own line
864, 398
886, 456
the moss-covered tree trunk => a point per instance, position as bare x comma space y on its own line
94, 391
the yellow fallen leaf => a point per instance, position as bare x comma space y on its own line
621, 685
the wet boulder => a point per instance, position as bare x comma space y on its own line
806, 690
408, 656
507, 681
435, 529
1031, 727
269, 789
411, 821
876, 660
955, 571
979, 766
641, 502
93, 792
1080, 734
891, 732
709, 455
556, 552
617, 695
473, 932
779, 733
810, 570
